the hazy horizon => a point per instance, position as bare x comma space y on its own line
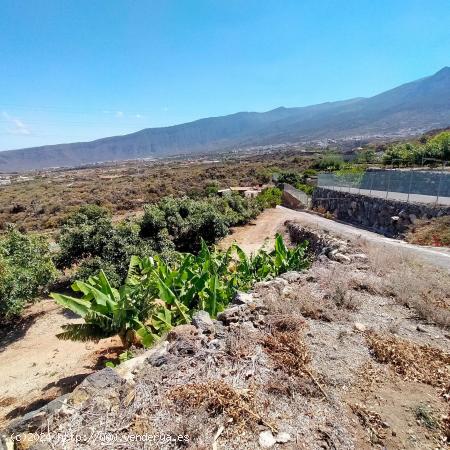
93, 71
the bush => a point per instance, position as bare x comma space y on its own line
329, 161
89, 238
309, 173
269, 197
26, 269
306, 188
186, 221
438, 147
291, 178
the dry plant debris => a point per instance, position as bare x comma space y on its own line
414, 362
219, 397
285, 345
372, 422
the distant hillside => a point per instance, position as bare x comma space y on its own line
413, 107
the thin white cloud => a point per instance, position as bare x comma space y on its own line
119, 113
138, 116
15, 125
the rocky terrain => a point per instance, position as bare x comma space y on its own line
350, 354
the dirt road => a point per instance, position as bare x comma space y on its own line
251, 237
37, 367
260, 232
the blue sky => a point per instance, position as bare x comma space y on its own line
82, 69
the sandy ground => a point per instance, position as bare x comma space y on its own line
36, 366
261, 231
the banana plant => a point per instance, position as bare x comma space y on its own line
158, 295
106, 312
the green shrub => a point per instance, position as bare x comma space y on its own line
211, 189
306, 188
186, 221
291, 178
26, 269
329, 161
92, 266
89, 238
269, 197
309, 173
438, 147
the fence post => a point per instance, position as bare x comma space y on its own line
389, 183
410, 182
439, 187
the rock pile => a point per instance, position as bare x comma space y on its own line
321, 243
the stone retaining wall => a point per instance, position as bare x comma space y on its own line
388, 217
294, 198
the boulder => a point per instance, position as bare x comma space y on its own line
242, 298
282, 437
203, 322
292, 277
182, 332
158, 356
233, 314
266, 439
35, 419
340, 257
359, 327
184, 340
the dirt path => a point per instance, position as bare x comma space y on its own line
37, 367
260, 232
251, 237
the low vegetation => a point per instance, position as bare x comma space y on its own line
159, 294
298, 180
218, 397
26, 269
186, 222
329, 161
428, 150
44, 202
434, 232
90, 241
412, 361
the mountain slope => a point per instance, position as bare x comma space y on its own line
417, 106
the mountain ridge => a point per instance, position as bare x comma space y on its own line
416, 106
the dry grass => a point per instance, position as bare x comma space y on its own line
219, 398
287, 348
434, 232
240, 344
302, 301
381, 260
412, 361
289, 352
343, 298
411, 283
426, 291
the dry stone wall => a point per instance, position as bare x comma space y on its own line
388, 217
